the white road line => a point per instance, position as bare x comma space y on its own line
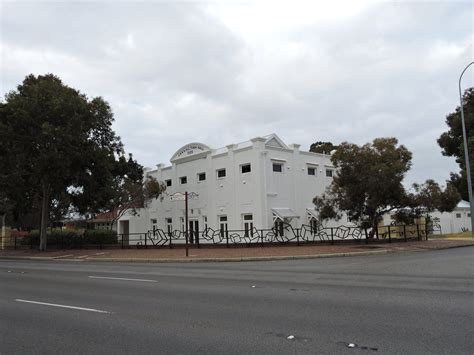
120, 278
63, 306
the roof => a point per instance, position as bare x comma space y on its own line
285, 213
463, 204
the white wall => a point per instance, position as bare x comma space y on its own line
238, 193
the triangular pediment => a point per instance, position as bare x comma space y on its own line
274, 141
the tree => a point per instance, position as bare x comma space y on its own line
451, 141
368, 182
322, 147
137, 195
60, 149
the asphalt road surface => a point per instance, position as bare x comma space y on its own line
410, 303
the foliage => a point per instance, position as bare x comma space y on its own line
451, 141
60, 151
368, 182
322, 147
425, 199
138, 195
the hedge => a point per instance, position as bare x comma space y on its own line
73, 239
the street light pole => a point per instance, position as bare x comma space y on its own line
466, 153
186, 221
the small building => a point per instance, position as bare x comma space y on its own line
261, 183
457, 221
105, 220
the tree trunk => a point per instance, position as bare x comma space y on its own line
4, 228
374, 227
44, 216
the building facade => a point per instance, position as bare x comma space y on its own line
258, 183
457, 221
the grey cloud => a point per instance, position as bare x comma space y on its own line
174, 73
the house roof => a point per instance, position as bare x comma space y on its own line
463, 204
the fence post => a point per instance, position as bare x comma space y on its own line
426, 230
226, 236
389, 235
366, 236
146, 235
122, 240
332, 237
405, 232
171, 240
261, 238
297, 236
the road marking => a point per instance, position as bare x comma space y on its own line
63, 306
120, 278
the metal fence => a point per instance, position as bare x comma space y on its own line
285, 234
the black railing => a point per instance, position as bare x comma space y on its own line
286, 234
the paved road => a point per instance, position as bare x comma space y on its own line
398, 303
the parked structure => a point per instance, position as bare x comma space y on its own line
261, 182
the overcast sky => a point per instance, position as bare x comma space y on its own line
223, 72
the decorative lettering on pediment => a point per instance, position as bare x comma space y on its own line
189, 150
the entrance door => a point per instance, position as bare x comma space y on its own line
194, 231
124, 231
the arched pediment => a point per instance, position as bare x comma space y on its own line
190, 150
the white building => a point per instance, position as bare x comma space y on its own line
457, 221
257, 183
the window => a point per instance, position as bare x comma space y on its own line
168, 182
458, 215
223, 226
313, 223
221, 173
169, 226
328, 172
201, 176
153, 225
279, 228
248, 224
245, 168
183, 180
469, 215
311, 171
183, 227
277, 167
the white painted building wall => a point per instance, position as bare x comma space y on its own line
238, 194
457, 221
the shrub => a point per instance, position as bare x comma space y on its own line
100, 236
72, 239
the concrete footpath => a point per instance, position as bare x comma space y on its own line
253, 253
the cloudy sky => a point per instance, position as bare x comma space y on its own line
223, 72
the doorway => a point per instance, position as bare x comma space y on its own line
194, 231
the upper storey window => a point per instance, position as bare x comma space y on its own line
183, 180
221, 173
277, 167
245, 168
